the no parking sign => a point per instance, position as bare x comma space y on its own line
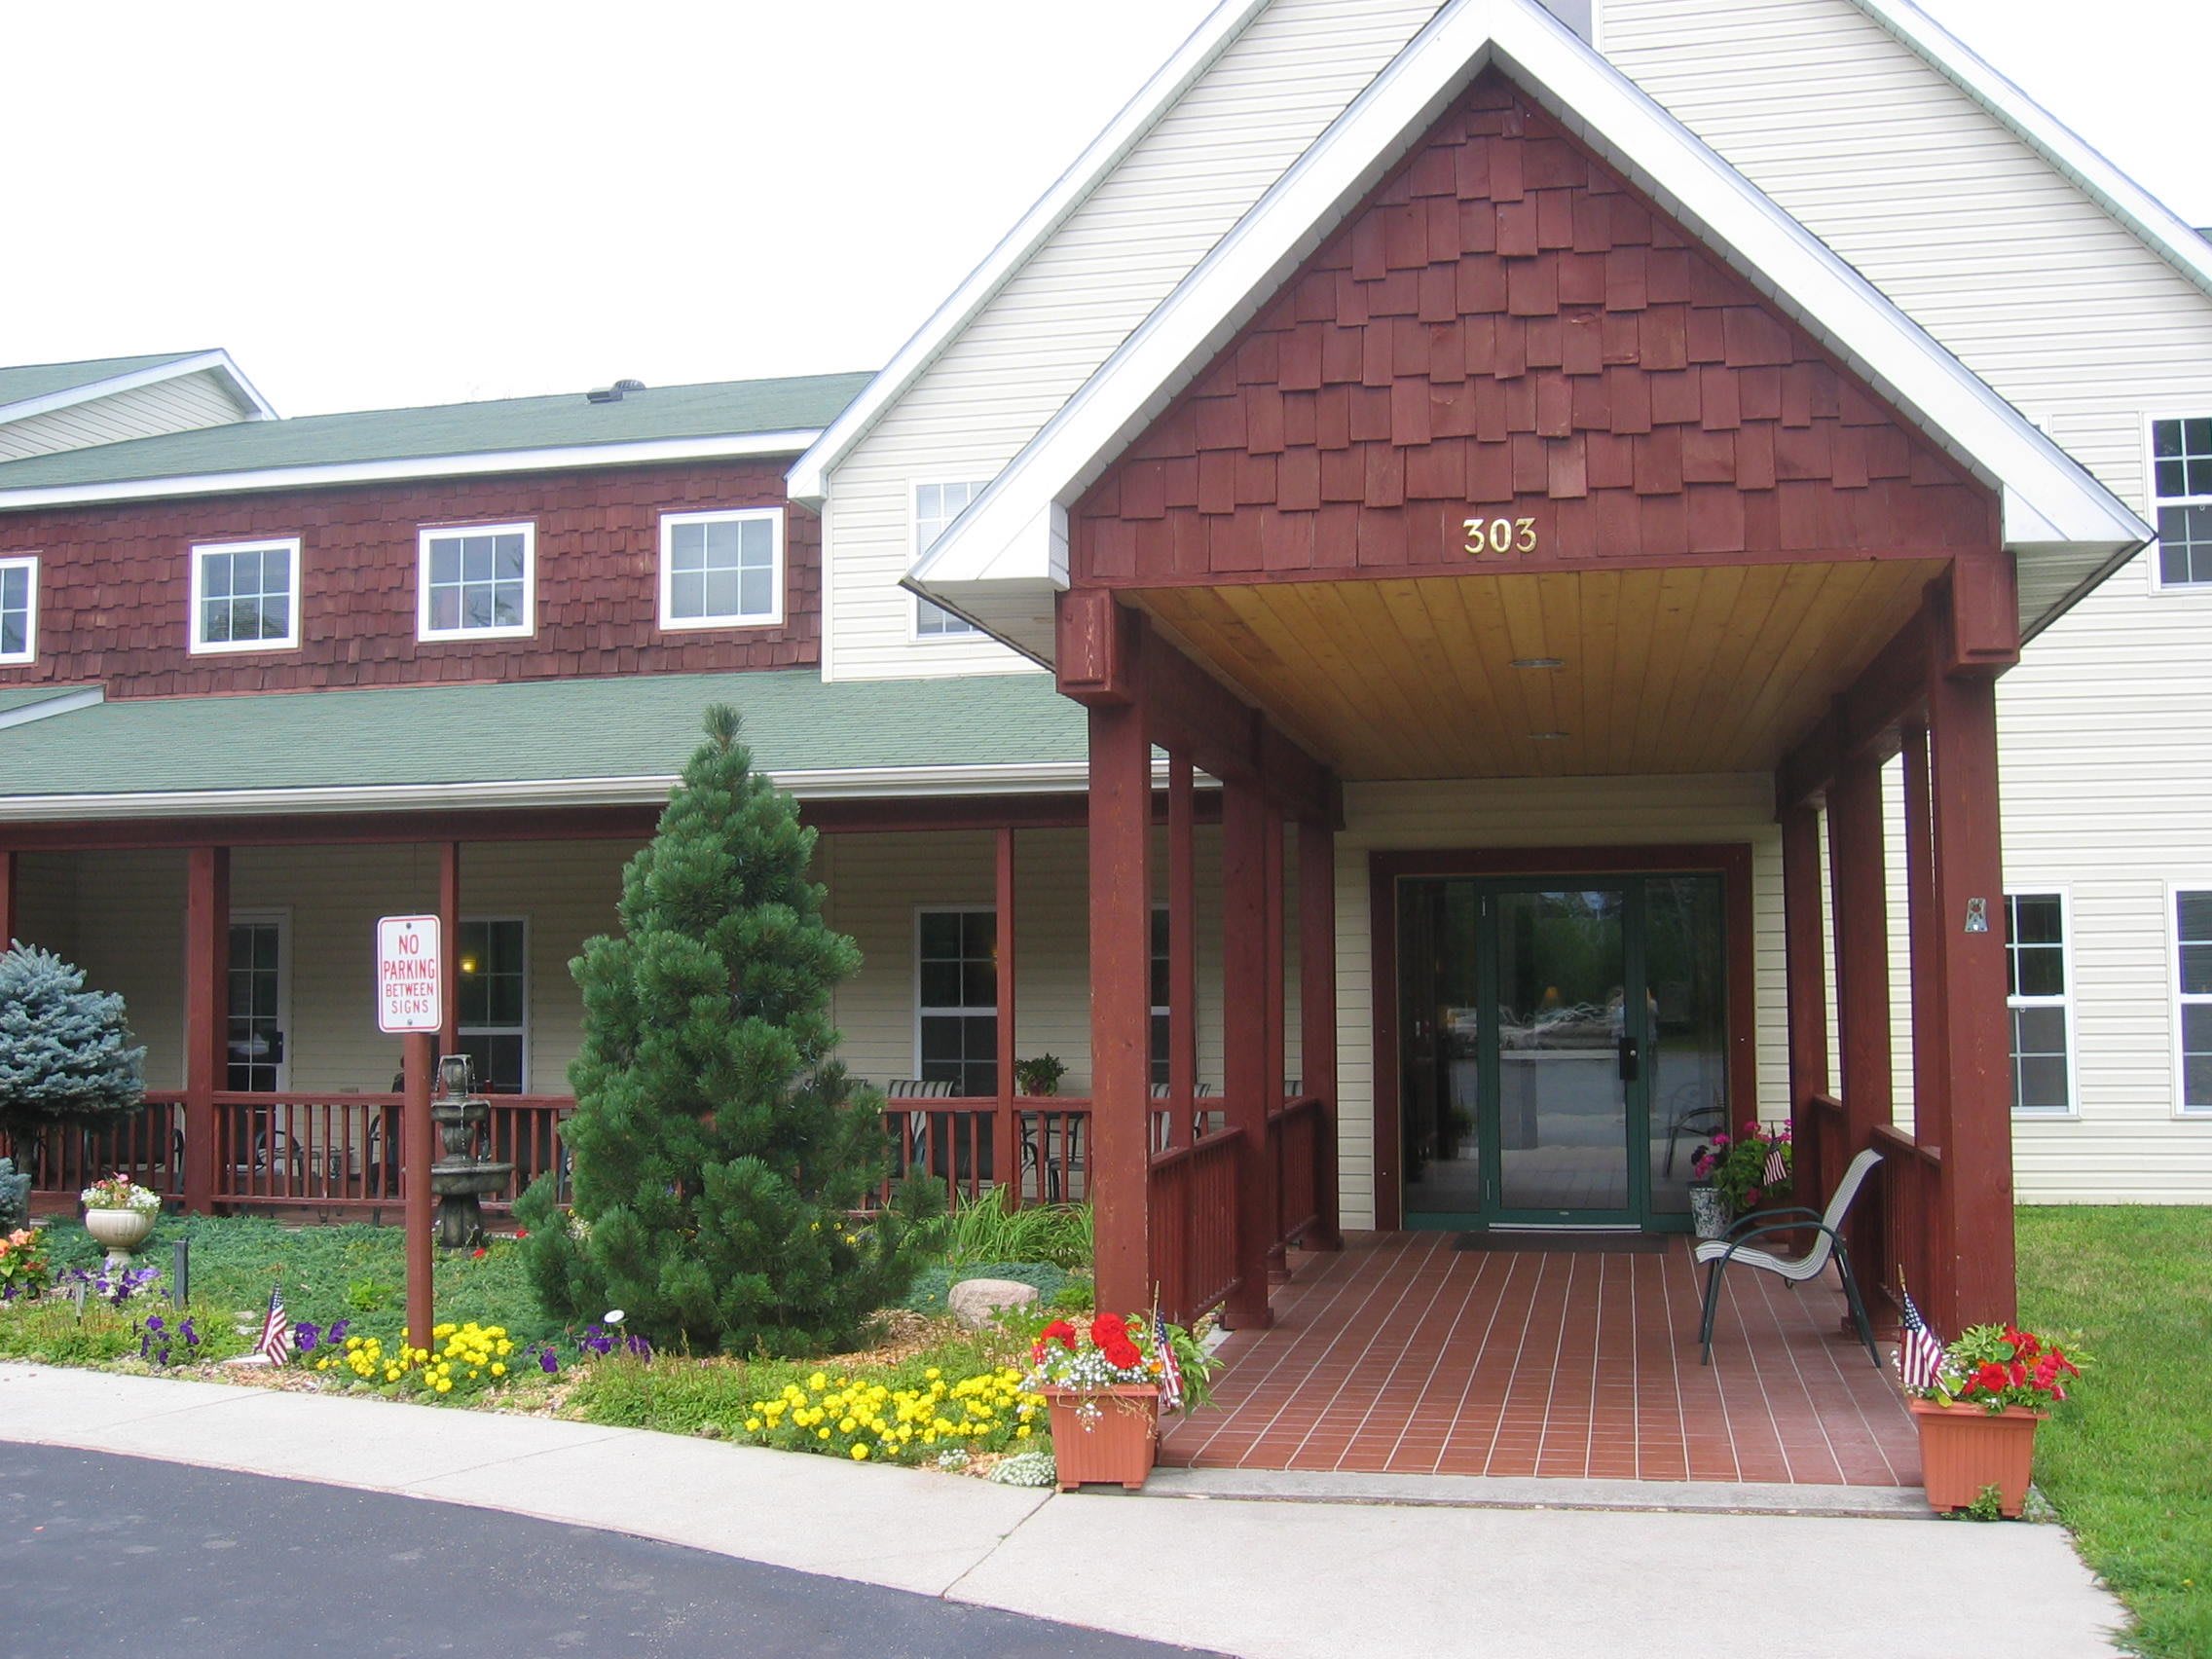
410, 971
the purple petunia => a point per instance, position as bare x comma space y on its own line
307, 1331
548, 1361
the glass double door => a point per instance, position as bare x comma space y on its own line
1564, 1046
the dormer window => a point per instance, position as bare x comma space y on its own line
477, 582
19, 610
721, 569
245, 596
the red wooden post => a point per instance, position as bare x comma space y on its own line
1804, 953
1862, 970
416, 1159
1005, 1170
1975, 1236
207, 1014
1317, 1011
1278, 1023
1931, 1100
1121, 1003
10, 873
449, 932
1246, 1028
1182, 950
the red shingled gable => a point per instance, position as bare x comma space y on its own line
1506, 329
115, 586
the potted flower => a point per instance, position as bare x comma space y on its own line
1040, 1078
1978, 1416
1105, 1380
1737, 1171
120, 1214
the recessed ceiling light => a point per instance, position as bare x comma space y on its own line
1538, 662
1547, 737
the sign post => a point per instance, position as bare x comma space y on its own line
410, 986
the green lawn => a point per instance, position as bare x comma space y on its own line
2128, 1461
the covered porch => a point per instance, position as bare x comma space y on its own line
1402, 1354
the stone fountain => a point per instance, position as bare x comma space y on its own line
461, 1179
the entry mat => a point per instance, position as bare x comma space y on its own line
1590, 1244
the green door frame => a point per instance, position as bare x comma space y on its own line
1553, 868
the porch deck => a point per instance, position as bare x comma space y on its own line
1403, 1355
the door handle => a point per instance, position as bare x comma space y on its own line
1629, 1059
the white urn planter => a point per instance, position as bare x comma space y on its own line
122, 1230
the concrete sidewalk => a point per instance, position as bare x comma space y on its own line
1295, 1579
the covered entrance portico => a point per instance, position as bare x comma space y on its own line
1546, 526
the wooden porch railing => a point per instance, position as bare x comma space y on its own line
147, 1145
958, 1141
1294, 1146
1192, 1235
1904, 1226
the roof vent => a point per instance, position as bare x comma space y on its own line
614, 393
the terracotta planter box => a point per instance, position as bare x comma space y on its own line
1964, 1449
1116, 1446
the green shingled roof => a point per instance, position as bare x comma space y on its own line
721, 409
42, 380
625, 727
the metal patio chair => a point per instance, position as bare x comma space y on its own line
917, 1140
1734, 1247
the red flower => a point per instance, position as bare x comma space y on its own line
1058, 1331
1109, 1327
522, 1232
479, 1251
1122, 1353
1992, 1377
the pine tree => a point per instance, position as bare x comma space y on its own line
720, 1155
65, 1053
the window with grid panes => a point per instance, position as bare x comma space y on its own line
958, 1004
2193, 1010
19, 610
476, 582
721, 568
491, 1002
1160, 1007
2037, 994
245, 596
937, 505
2181, 465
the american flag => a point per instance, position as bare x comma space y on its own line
1170, 1373
1920, 1356
275, 1345
1777, 1164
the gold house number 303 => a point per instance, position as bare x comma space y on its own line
1501, 536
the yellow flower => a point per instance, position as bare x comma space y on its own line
859, 1454
818, 1382
753, 1425
498, 1370
445, 1386
1021, 1433
822, 1434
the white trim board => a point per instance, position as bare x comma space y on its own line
62, 702
1017, 533
853, 784
469, 464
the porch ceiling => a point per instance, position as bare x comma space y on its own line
1685, 668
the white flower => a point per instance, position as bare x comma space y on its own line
614, 1317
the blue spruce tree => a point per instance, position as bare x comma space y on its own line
720, 1156
65, 1053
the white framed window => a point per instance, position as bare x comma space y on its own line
937, 505
2040, 998
492, 1001
245, 596
18, 609
2188, 912
2181, 493
723, 569
956, 997
476, 581
1162, 1009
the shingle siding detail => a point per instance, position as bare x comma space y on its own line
115, 580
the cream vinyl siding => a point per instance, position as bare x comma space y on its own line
1568, 812
120, 918
2054, 303
1264, 100
181, 405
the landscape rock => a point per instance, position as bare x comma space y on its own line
973, 1302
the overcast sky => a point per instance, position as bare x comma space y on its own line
407, 203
